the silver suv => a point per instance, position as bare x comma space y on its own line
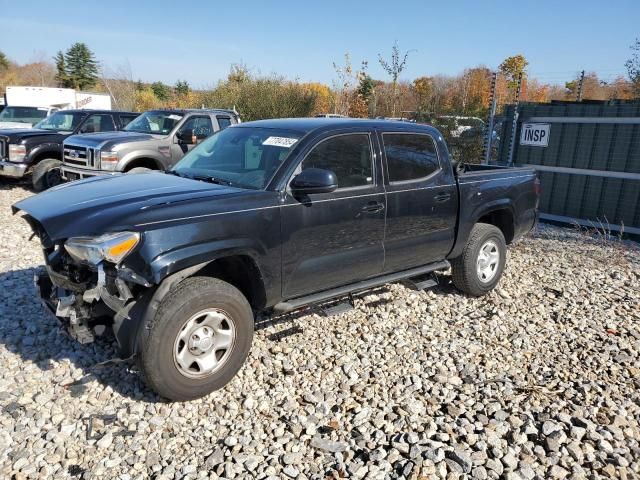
155, 140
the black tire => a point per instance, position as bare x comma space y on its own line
159, 337
46, 174
140, 170
464, 269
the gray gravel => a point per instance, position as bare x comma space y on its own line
539, 379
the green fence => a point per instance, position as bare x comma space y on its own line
588, 156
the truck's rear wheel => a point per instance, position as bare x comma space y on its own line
198, 340
479, 268
46, 174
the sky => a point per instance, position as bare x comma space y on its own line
198, 40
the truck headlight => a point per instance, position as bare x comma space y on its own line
113, 247
108, 160
17, 153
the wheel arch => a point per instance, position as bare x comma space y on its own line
43, 152
229, 268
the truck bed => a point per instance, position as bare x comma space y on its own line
492, 188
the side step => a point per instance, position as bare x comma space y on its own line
422, 282
337, 309
314, 298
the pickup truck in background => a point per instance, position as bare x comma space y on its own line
264, 218
23, 117
154, 141
38, 150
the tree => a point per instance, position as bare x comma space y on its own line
61, 71
633, 68
182, 88
120, 86
343, 85
161, 90
323, 95
4, 62
394, 68
512, 68
77, 68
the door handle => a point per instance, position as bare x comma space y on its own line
373, 207
442, 197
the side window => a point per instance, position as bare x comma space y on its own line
410, 156
223, 122
126, 120
97, 123
348, 156
201, 127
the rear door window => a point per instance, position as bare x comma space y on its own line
223, 122
410, 156
98, 123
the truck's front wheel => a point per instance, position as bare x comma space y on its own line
198, 340
46, 174
479, 268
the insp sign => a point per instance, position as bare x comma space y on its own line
535, 134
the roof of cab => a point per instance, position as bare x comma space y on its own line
91, 110
306, 125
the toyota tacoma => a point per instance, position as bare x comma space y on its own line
264, 218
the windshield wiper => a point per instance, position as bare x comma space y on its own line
216, 180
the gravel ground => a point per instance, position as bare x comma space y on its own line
539, 379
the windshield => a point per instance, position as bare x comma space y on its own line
23, 114
245, 157
159, 123
60, 121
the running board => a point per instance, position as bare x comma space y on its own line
296, 303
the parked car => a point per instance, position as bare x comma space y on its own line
38, 150
267, 217
156, 140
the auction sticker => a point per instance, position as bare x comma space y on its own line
280, 141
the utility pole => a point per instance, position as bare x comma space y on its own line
514, 124
486, 154
580, 85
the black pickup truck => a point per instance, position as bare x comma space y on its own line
38, 150
263, 218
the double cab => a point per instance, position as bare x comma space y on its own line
264, 218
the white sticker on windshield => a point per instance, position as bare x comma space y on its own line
175, 117
280, 141
44, 109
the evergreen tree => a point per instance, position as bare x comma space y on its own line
160, 90
4, 62
61, 73
182, 87
80, 67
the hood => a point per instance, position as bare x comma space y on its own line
109, 203
15, 125
99, 139
15, 135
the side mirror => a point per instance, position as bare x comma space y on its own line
186, 137
314, 180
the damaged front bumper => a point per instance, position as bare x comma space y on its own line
85, 311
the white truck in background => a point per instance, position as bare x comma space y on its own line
25, 106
